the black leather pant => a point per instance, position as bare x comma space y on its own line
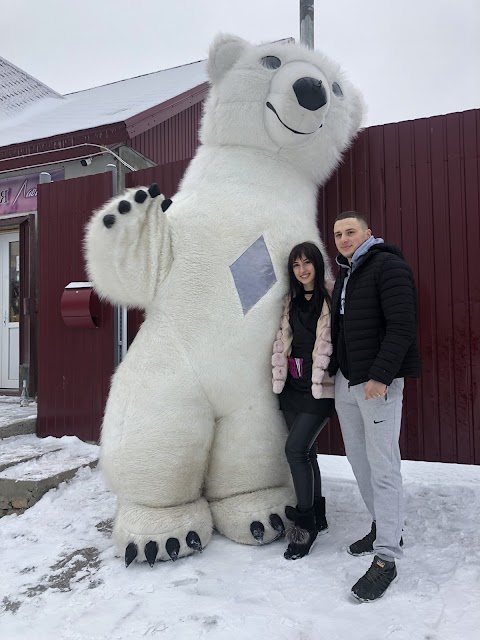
301, 452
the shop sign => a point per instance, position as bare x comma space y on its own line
19, 194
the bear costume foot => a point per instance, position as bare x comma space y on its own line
164, 533
252, 518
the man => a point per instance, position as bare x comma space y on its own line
374, 321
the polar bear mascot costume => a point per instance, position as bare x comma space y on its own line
193, 438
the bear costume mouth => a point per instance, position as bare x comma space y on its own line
300, 133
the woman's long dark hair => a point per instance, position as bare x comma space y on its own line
312, 253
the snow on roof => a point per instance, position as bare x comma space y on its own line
107, 104
19, 90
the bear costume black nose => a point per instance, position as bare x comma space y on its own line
310, 93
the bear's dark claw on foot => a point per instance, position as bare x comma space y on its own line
173, 547
193, 541
257, 530
124, 206
151, 550
277, 524
154, 190
131, 553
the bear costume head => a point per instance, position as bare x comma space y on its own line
281, 98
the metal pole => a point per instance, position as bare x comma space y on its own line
120, 313
306, 23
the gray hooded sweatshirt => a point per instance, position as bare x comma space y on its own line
357, 259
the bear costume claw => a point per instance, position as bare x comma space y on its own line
109, 220
277, 524
193, 541
140, 196
153, 535
154, 190
131, 553
172, 547
165, 204
125, 206
258, 531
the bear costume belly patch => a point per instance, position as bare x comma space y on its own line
253, 274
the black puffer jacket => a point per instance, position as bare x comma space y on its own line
380, 320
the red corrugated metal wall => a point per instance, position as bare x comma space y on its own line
74, 365
418, 183
172, 140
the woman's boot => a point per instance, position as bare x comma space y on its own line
320, 518
303, 533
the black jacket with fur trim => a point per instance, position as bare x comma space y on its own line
380, 319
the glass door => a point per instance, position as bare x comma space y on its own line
10, 309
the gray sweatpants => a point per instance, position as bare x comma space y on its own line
370, 430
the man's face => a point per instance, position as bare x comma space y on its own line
349, 235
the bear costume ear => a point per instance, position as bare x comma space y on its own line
224, 53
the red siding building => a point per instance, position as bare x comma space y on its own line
417, 181
124, 126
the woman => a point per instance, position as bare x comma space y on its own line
301, 355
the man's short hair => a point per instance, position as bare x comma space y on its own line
353, 214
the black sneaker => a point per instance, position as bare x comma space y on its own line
365, 545
376, 581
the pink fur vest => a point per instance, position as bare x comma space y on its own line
323, 386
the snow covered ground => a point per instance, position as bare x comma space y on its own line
60, 577
11, 411
43, 457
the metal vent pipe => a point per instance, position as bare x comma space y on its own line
306, 23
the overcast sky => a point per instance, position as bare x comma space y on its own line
411, 58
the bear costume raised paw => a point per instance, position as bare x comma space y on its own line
192, 437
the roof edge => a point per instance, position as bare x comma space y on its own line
141, 75
113, 133
154, 116
58, 95
60, 148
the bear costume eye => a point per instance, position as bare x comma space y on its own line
271, 62
337, 90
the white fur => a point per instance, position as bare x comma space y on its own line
191, 413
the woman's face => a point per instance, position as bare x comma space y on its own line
304, 272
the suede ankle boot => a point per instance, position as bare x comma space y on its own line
320, 518
302, 534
